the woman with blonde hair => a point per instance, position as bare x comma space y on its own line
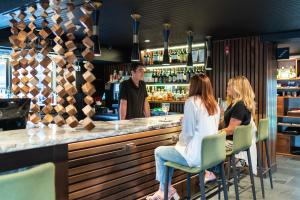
241, 111
201, 119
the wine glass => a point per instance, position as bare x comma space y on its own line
165, 107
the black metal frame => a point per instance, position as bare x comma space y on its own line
201, 183
261, 171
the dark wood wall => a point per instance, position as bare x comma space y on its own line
250, 57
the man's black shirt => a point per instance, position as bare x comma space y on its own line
135, 97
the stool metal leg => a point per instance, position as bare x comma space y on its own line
251, 174
202, 185
259, 162
166, 189
219, 190
236, 187
269, 163
223, 181
228, 172
188, 184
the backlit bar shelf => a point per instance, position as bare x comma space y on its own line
288, 88
174, 65
166, 84
175, 47
165, 101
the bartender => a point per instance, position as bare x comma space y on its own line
133, 95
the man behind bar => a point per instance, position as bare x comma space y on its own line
133, 95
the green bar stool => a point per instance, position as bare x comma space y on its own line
213, 154
242, 140
36, 183
262, 137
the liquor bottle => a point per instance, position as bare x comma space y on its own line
184, 56
184, 76
161, 56
192, 73
188, 75
166, 76
145, 59
155, 58
160, 77
174, 76
153, 77
170, 77
156, 76
181, 55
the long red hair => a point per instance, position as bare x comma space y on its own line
200, 86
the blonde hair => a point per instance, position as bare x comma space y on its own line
242, 91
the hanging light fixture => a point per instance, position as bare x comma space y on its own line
135, 53
96, 28
189, 49
166, 32
208, 60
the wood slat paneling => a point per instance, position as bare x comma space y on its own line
108, 169
250, 57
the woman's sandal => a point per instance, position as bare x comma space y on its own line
158, 195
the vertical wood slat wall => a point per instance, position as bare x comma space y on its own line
250, 57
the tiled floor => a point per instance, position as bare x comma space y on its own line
286, 182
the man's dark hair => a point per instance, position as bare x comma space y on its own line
135, 65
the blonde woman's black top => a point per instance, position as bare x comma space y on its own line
238, 111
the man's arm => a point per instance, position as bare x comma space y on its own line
146, 108
123, 109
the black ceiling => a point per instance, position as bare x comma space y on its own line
219, 18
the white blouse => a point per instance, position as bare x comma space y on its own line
196, 125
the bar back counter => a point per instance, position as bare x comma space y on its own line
114, 161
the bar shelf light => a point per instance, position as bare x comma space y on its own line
175, 47
167, 84
171, 66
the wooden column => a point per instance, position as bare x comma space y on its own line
250, 57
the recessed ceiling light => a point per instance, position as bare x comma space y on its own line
147, 41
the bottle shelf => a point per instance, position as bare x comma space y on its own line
172, 65
289, 79
288, 124
166, 101
288, 97
287, 116
288, 88
166, 84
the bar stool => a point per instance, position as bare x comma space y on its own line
242, 140
262, 137
212, 154
35, 184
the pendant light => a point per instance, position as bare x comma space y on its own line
189, 49
96, 29
208, 60
135, 53
166, 32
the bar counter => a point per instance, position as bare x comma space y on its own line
113, 161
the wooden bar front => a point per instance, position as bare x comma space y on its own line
121, 167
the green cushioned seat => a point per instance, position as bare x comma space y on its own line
263, 130
192, 170
242, 139
213, 153
36, 183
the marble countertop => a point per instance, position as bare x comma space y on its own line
36, 137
